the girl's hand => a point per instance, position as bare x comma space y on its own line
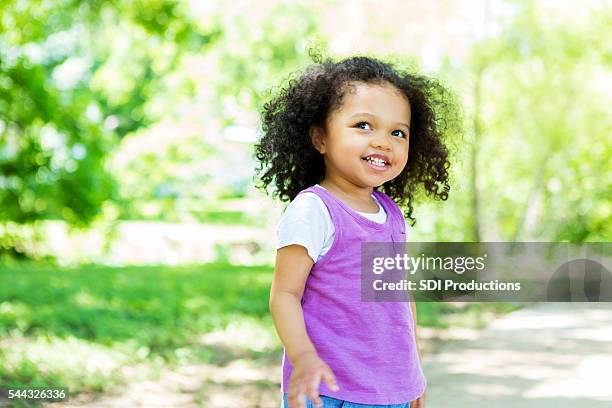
308, 371
419, 402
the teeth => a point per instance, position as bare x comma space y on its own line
376, 161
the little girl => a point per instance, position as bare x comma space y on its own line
347, 142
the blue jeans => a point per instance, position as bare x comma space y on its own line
329, 402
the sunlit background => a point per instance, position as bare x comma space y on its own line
134, 245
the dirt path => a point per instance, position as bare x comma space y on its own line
238, 378
548, 355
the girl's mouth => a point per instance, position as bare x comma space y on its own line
376, 163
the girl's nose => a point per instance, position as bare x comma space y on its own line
381, 141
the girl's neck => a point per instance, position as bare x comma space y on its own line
359, 198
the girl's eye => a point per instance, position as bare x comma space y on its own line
403, 134
362, 123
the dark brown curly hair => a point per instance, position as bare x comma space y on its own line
289, 162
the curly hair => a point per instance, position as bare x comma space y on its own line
289, 162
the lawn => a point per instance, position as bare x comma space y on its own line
86, 327
80, 327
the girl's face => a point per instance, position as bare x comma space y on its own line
366, 140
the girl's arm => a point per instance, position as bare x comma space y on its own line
292, 268
291, 271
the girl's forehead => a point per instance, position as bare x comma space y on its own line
383, 100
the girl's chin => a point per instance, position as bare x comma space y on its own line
375, 181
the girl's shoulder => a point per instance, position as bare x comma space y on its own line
306, 205
306, 221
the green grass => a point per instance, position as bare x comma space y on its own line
224, 217
463, 314
82, 327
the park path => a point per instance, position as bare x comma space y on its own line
544, 356
547, 355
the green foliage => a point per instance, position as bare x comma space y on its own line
253, 57
551, 114
186, 163
543, 158
176, 181
74, 78
81, 80
51, 156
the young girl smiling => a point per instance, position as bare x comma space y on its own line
347, 143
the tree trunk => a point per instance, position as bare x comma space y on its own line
473, 179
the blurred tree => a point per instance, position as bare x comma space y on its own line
536, 165
230, 84
74, 78
546, 133
252, 58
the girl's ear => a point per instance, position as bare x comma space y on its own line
317, 138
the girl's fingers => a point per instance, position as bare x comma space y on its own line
417, 403
296, 396
330, 379
313, 389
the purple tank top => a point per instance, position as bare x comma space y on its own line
370, 346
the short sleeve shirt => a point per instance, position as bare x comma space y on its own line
307, 222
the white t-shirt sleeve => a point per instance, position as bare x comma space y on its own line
306, 222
